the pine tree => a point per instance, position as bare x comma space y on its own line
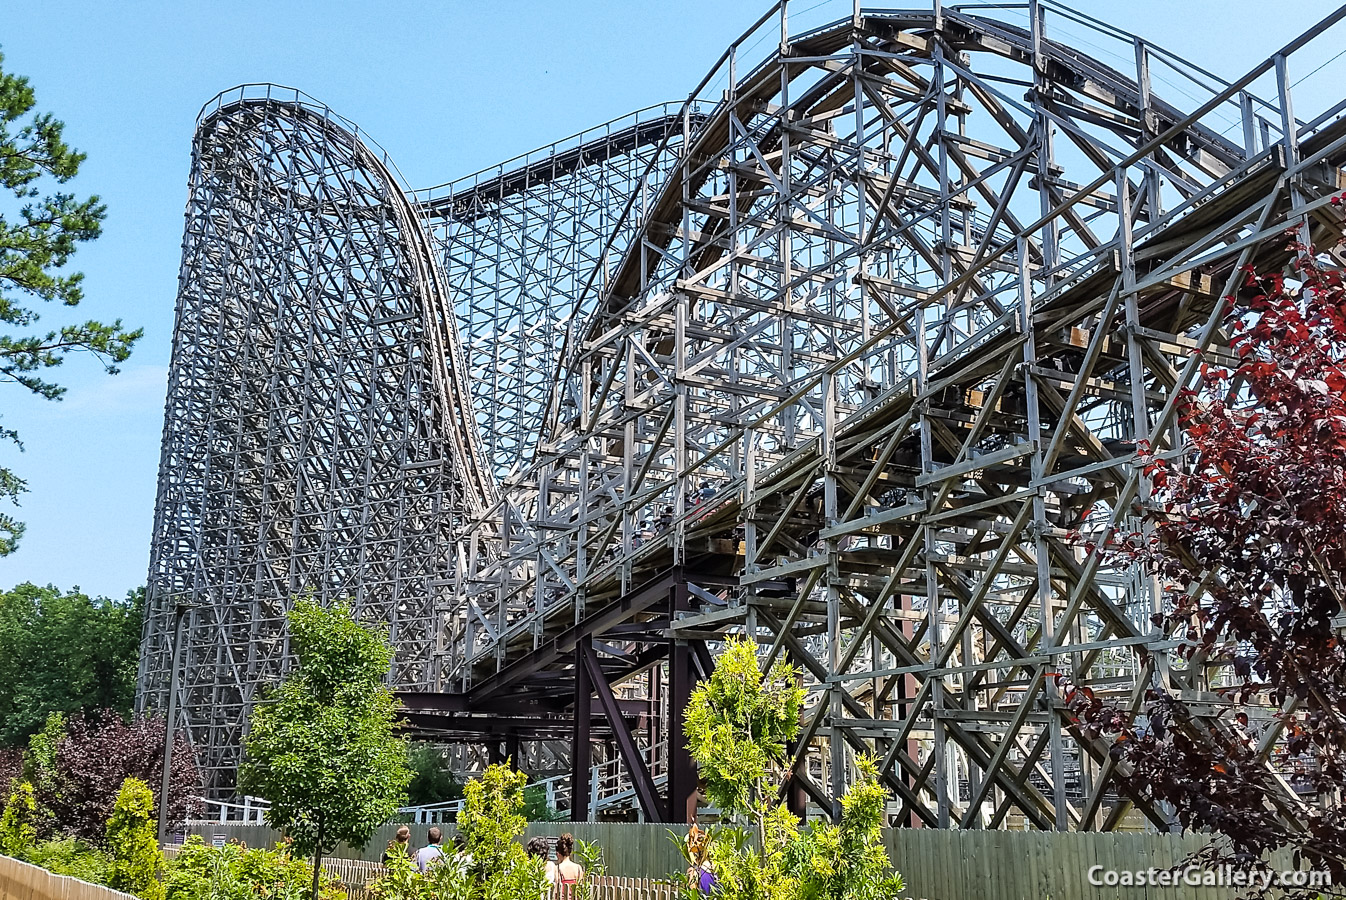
39, 232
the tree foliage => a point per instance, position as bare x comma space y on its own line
431, 781
39, 232
1247, 536
18, 823
64, 653
321, 747
491, 818
11, 768
235, 872
133, 844
738, 723
20, 838
490, 821
96, 754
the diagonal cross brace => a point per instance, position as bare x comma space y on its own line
641, 780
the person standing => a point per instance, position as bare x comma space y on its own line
399, 846
568, 872
431, 852
460, 855
540, 848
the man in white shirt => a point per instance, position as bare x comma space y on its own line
427, 855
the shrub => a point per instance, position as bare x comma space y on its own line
18, 832
234, 872
68, 856
401, 880
590, 856
131, 840
490, 821
738, 723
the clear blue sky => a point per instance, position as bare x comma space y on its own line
446, 88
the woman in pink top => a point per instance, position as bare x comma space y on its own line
568, 871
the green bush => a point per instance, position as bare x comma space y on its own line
18, 831
490, 821
491, 818
133, 844
73, 857
590, 856
738, 724
401, 880
234, 872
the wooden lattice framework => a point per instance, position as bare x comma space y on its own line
879, 338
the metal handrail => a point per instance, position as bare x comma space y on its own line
608, 787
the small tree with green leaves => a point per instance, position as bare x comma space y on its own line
133, 844
490, 821
40, 768
322, 747
18, 824
738, 724
491, 818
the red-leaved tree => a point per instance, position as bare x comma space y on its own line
96, 755
1247, 538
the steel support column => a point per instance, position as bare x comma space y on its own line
581, 748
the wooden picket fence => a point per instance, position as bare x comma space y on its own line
21, 881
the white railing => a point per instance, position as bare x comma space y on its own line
609, 788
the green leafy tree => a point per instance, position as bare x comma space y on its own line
64, 652
848, 861
39, 232
40, 767
133, 844
535, 805
18, 824
738, 723
321, 747
491, 819
431, 781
